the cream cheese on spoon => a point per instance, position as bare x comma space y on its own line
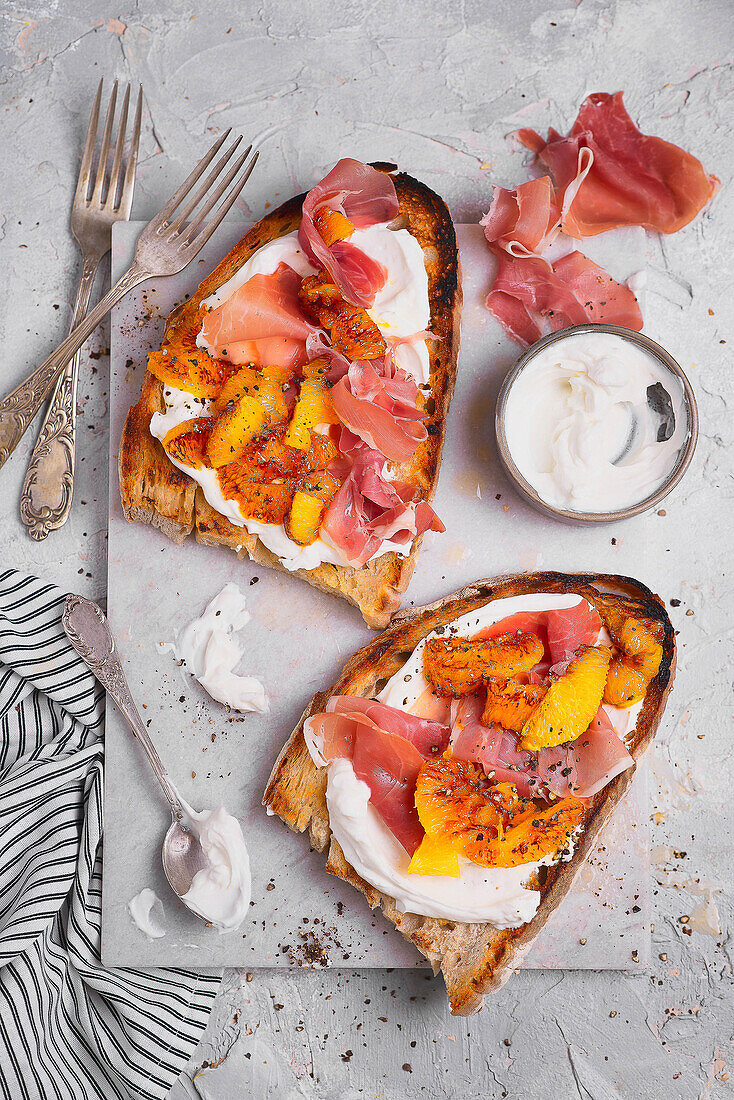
220, 892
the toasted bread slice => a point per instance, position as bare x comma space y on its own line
154, 491
474, 958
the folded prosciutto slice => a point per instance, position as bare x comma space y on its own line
378, 402
572, 291
428, 736
261, 323
571, 627
364, 196
528, 217
369, 508
389, 766
580, 767
387, 747
586, 765
634, 178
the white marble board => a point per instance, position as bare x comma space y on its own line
297, 641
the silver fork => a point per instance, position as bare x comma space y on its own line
45, 501
165, 246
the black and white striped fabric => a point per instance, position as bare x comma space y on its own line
70, 1029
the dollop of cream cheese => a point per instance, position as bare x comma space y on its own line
494, 894
146, 910
582, 426
220, 892
211, 652
401, 309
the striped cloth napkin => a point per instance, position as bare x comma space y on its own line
70, 1029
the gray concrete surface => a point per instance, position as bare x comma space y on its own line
436, 86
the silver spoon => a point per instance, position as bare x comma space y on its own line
88, 631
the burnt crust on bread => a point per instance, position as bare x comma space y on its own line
474, 959
154, 491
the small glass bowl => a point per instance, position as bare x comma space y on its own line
526, 490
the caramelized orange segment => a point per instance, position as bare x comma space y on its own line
304, 519
332, 225
258, 496
455, 804
187, 442
281, 375
266, 387
311, 500
542, 833
570, 703
353, 332
511, 703
637, 663
320, 298
194, 371
233, 429
458, 666
241, 383
317, 368
268, 474
464, 815
274, 457
313, 408
185, 366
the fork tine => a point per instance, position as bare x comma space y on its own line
111, 200
172, 204
208, 228
205, 210
102, 163
181, 218
82, 186
128, 183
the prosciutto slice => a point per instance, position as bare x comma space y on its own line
602, 297
585, 766
569, 628
261, 323
523, 220
318, 347
366, 197
633, 178
581, 767
387, 747
273, 351
378, 402
389, 766
572, 291
369, 508
428, 736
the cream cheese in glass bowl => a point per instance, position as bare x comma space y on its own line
595, 423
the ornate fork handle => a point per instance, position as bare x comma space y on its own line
86, 627
48, 488
19, 408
